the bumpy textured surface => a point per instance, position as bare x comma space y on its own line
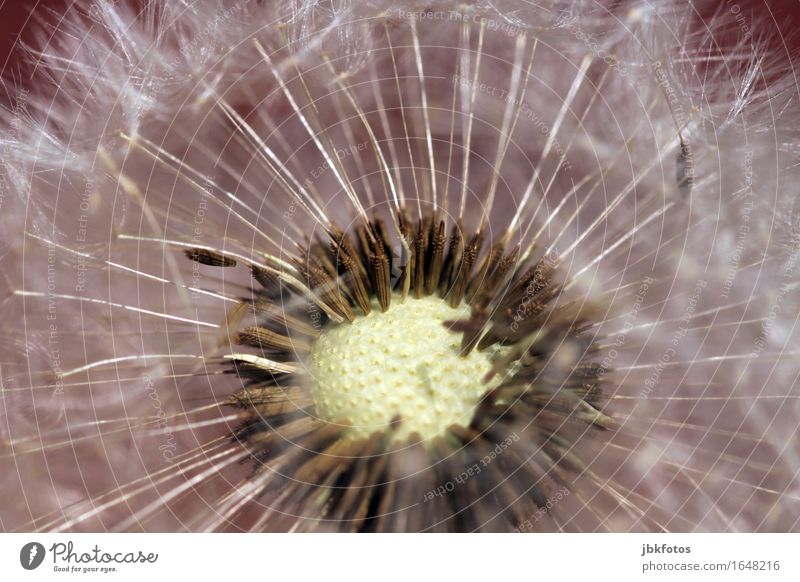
404, 363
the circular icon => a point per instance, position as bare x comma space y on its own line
31, 555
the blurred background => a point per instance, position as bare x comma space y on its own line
18, 19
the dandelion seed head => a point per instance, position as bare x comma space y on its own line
566, 230
403, 363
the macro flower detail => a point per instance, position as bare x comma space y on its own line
367, 266
389, 390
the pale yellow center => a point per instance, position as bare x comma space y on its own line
405, 363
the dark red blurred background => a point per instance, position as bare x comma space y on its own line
17, 18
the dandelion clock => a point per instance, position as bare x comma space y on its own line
377, 266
